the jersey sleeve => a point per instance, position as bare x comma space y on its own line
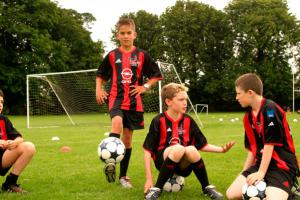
12, 133
199, 139
273, 126
151, 69
152, 139
105, 70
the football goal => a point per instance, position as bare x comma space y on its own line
68, 98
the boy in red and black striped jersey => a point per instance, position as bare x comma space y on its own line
271, 151
125, 67
173, 142
13, 152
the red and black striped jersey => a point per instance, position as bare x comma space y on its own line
126, 69
165, 132
270, 126
7, 130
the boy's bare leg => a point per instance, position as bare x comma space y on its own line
276, 193
18, 157
117, 125
235, 189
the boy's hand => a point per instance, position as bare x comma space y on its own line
227, 146
148, 185
137, 90
255, 178
3, 144
11, 144
101, 96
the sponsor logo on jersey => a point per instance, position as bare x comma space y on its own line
126, 75
169, 130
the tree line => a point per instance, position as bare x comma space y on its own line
208, 47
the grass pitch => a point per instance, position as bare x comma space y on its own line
78, 174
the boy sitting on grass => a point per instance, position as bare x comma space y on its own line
14, 152
173, 142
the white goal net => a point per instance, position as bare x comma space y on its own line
68, 98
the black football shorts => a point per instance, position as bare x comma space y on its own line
132, 120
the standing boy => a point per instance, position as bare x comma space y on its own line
126, 67
13, 152
271, 152
173, 142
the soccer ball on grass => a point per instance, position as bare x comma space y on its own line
111, 150
174, 184
254, 192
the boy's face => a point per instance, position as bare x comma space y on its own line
178, 103
243, 97
1, 104
126, 35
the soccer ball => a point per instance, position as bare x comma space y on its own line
254, 192
174, 184
111, 150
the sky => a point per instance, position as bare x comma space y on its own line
107, 12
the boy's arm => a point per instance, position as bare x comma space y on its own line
218, 149
264, 165
149, 180
101, 94
139, 89
249, 161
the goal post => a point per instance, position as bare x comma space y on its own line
201, 107
62, 97
170, 74
69, 98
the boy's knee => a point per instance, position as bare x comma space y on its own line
179, 148
191, 150
177, 152
229, 194
28, 147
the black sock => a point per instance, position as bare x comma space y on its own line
125, 163
11, 179
200, 172
166, 171
114, 135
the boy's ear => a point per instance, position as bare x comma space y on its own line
251, 92
167, 101
135, 34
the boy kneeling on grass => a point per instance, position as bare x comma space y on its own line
13, 152
173, 142
271, 152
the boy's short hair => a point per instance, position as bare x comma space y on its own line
170, 90
250, 81
1, 93
125, 21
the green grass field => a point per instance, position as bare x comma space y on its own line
78, 174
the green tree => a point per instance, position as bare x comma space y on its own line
263, 33
36, 36
195, 39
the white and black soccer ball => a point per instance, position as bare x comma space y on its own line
254, 192
111, 150
174, 184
